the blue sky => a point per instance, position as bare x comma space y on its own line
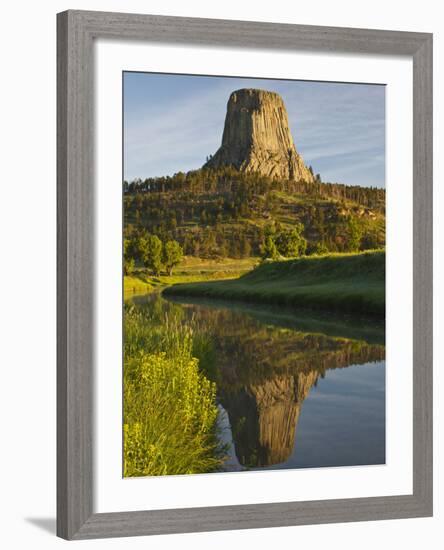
172, 122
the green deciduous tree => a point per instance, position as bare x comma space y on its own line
269, 250
321, 248
355, 235
128, 259
152, 254
291, 243
172, 254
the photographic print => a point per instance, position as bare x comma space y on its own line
253, 274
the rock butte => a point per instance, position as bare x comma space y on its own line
257, 137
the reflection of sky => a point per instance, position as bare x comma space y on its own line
342, 420
172, 122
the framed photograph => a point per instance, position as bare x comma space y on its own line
244, 275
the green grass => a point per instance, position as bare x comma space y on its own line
191, 270
170, 407
136, 284
349, 283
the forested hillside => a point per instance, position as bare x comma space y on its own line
222, 212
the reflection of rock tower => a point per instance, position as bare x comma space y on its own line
264, 373
257, 137
264, 417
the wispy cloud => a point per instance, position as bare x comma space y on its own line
172, 123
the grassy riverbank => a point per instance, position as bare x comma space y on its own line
352, 283
191, 270
170, 407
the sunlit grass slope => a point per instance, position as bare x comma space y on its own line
191, 270
350, 283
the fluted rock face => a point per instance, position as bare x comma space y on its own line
264, 417
257, 137
279, 404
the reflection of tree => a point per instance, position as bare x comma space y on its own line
249, 351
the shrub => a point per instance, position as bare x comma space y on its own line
170, 409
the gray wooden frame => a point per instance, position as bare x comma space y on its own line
76, 32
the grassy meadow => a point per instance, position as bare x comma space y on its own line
351, 283
190, 270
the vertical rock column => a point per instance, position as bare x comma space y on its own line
257, 137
